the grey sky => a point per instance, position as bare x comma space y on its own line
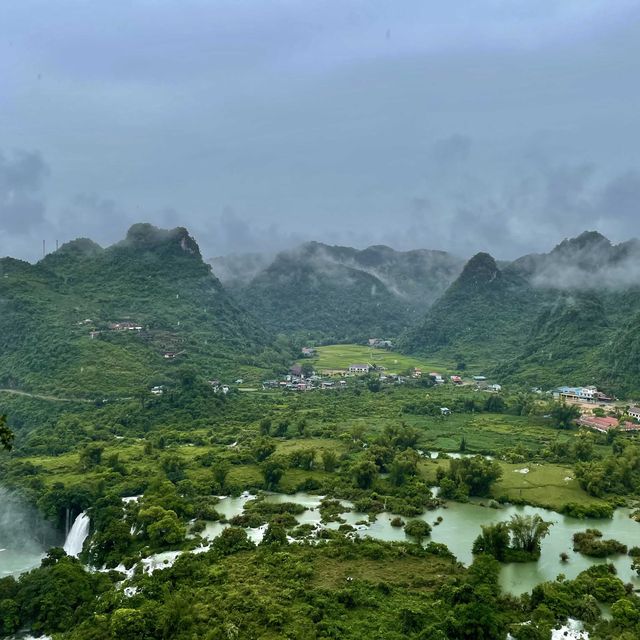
480, 124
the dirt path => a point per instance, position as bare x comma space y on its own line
38, 396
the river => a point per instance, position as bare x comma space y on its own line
461, 524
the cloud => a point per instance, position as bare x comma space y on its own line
22, 207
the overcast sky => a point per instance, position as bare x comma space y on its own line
501, 125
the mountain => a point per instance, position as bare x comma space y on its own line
571, 316
341, 293
480, 318
588, 262
68, 323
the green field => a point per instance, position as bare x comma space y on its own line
340, 356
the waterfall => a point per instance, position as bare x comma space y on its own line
78, 534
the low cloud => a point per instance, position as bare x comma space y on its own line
22, 207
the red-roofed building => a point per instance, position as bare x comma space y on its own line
606, 424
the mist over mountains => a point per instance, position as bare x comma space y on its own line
570, 315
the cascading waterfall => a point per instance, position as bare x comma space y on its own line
77, 535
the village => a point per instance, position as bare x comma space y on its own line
598, 411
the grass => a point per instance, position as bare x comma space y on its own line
423, 573
544, 485
340, 356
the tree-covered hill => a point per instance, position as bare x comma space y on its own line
566, 317
481, 317
340, 293
67, 322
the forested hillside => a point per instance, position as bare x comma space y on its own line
95, 322
566, 317
338, 293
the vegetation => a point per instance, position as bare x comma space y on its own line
89, 433
515, 541
590, 543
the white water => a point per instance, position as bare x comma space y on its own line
78, 534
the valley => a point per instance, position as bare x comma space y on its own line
219, 469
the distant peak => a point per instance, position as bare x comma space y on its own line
145, 236
586, 240
481, 269
80, 246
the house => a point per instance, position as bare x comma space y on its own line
634, 412
606, 424
456, 379
343, 384
169, 355
380, 344
417, 373
437, 378
157, 391
479, 378
270, 384
598, 424
308, 352
359, 368
445, 411
496, 387
125, 326
581, 394
328, 385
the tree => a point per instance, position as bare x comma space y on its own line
417, 529
364, 473
220, 473
329, 460
162, 526
174, 467
274, 535
265, 427
263, 449
404, 465
6, 435
477, 474
564, 415
527, 532
494, 404
493, 540
272, 472
91, 456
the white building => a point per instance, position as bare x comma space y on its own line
359, 368
634, 412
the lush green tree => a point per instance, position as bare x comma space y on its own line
476, 474
329, 460
272, 471
263, 448
417, 529
528, 531
220, 472
493, 540
403, 466
6, 435
90, 456
564, 414
494, 404
265, 427
365, 473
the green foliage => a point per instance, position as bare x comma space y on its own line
590, 543
6, 435
417, 529
471, 476
564, 414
